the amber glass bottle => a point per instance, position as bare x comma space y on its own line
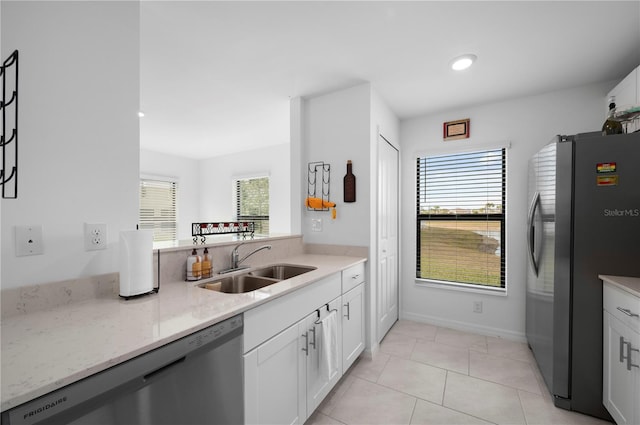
611, 125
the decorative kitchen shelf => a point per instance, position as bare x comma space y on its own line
9, 136
318, 179
202, 230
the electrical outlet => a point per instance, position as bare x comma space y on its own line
477, 306
28, 240
95, 236
316, 224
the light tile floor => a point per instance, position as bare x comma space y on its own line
426, 374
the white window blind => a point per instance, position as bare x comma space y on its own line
461, 218
158, 208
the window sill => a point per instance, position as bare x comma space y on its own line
450, 286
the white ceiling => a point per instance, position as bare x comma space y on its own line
216, 77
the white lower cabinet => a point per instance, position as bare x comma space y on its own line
273, 385
324, 369
287, 376
291, 364
621, 357
352, 326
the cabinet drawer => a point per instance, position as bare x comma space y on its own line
622, 305
352, 277
266, 320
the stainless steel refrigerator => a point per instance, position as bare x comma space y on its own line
584, 220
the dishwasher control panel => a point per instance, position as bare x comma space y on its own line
214, 332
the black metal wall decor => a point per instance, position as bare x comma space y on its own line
202, 230
9, 136
318, 179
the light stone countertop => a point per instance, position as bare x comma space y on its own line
627, 284
46, 350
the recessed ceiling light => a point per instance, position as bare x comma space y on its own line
463, 62
140, 114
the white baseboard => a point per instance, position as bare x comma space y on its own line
465, 326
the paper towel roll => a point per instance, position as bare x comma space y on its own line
136, 262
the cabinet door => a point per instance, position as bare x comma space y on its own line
274, 380
324, 362
352, 326
620, 380
625, 91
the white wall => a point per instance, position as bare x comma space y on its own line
528, 124
217, 190
335, 129
186, 172
78, 128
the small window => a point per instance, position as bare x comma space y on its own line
252, 203
461, 218
158, 208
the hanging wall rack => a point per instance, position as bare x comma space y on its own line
9, 136
202, 230
318, 179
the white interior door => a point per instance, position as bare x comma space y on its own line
387, 284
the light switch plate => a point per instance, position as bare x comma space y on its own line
316, 224
29, 240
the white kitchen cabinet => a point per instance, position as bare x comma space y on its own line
322, 375
274, 384
285, 377
621, 355
352, 326
353, 314
627, 93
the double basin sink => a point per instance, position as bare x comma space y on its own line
255, 279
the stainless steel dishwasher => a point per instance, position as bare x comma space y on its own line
194, 380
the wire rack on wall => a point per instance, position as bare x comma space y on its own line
318, 179
9, 136
202, 230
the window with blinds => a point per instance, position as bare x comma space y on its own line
461, 218
158, 208
252, 203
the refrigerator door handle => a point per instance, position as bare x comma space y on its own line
531, 233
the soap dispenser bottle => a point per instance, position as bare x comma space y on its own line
194, 266
206, 264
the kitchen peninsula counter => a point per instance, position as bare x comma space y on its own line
46, 350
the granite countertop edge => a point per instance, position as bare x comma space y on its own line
626, 283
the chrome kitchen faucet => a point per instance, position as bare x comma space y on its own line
235, 262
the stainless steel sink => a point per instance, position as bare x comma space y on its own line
282, 271
254, 279
239, 283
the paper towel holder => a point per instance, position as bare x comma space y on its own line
155, 290
137, 282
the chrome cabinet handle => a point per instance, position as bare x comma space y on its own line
348, 316
355, 276
313, 344
628, 353
628, 312
629, 350
306, 343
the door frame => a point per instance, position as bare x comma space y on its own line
381, 139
